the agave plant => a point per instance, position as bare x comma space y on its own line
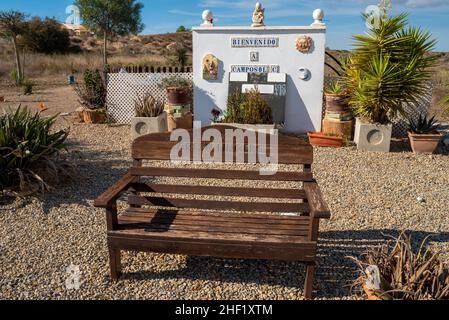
29, 151
423, 125
148, 106
335, 87
389, 68
396, 271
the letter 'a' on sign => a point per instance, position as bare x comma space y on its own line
254, 56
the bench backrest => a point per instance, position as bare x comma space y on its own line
291, 150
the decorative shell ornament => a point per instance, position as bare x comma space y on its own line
304, 44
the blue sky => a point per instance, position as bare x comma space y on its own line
342, 17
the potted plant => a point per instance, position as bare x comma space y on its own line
150, 116
248, 111
92, 96
423, 135
322, 139
179, 90
389, 68
336, 98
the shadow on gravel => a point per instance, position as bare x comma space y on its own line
335, 272
95, 172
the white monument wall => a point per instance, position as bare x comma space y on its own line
304, 97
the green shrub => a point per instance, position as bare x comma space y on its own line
176, 81
248, 108
30, 151
14, 76
92, 93
27, 86
46, 36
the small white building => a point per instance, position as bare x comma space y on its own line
292, 59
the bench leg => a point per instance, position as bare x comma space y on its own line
310, 275
115, 264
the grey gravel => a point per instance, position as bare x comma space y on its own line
371, 195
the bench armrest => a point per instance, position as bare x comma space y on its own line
114, 192
318, 207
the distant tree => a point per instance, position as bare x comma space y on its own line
110, 18
181, 56
181, 29
13, 25
46, 36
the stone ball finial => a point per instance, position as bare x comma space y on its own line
208, 18
318, 16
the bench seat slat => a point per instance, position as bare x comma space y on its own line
219, 205
175, 222
220, 191
192, 246
220, 174
188, 217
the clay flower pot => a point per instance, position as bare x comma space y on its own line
323, 140
336, 103
179, 95
424, 143
183, 122
94, 116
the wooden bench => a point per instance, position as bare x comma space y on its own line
159, 220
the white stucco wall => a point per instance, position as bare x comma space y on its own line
304, 98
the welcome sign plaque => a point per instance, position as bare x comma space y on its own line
269, 42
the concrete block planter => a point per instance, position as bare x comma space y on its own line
141, 126
424, 143
372, 137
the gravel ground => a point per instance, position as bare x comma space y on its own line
370, 195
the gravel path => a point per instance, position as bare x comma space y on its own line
369, 195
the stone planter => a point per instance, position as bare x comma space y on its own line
372, 137
336, 103
251, 127
141, 126
94, 116
183, 122
179, 95
424, 143
321, 139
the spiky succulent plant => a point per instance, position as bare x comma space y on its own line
423, 125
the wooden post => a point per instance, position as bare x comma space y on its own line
115, 263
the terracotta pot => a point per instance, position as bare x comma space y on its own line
336, 103
424, 143
184, 122
322, 140
371, 294
78, 115
93, 116
179, 95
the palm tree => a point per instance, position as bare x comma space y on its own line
181, 56
12, 25
389, 67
